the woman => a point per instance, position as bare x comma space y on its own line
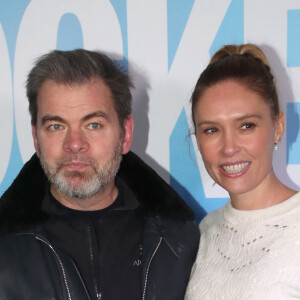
249, 249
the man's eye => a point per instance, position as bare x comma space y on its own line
210, 130
248, 125
55, 127
94, 126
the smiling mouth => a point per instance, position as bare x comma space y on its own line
235, 168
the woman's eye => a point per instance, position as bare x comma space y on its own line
210, 130
94, 126
248, 125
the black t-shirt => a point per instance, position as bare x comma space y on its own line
104, 244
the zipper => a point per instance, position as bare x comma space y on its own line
91, 232
148, 267
60, 263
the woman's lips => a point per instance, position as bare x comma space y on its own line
235, 169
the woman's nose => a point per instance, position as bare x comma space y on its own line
230, 144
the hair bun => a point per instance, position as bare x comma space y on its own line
249, 50
247, 65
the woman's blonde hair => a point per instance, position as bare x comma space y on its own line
246, 64
245, 49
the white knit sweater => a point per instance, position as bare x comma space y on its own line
249, 254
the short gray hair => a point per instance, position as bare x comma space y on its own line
78, 67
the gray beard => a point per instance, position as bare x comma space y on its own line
88, 184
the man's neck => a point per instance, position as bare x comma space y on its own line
97, 202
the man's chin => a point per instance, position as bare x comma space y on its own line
79, 181
77, 189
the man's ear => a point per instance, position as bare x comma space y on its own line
34, 136
279, 127
127, 134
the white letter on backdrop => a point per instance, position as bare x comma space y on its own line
268, 27
169, 92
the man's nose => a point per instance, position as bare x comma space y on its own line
75, 142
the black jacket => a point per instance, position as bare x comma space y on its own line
32, 268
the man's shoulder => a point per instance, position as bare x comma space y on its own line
20, 205
28, 183
28, 261
156, 197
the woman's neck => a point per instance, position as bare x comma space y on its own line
269, 192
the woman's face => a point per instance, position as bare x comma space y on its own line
236, 135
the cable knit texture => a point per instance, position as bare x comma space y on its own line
249, 254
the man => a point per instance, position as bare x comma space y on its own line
74, 225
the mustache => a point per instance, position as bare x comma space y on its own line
76, 158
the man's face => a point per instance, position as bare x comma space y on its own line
78, 137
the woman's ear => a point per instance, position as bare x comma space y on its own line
279, 127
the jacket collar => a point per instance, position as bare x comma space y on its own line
21, 204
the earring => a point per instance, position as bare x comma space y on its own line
275, 146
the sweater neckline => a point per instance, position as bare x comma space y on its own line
264, 215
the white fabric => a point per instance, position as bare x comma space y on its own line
249, 254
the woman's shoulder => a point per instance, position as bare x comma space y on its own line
211, 218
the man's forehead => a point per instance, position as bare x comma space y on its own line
91, 97
74, 83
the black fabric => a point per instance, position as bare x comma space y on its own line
114, 239
31, 270
169, 237
154, 195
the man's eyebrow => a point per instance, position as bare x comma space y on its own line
49, 118
96, 114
